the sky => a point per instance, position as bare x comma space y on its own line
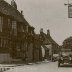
47, 14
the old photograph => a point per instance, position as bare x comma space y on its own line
35, 35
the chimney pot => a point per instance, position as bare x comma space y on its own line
48, 32
22, 12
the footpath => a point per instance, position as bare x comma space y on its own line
6, 67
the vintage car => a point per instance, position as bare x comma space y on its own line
65, 57
55, 57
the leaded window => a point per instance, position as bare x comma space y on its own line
14, 27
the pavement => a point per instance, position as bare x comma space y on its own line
40, 67
6, 67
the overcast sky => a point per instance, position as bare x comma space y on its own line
47, 14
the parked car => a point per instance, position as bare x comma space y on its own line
65, 57
55, 57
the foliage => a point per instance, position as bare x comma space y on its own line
67, 43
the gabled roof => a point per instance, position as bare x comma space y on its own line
51, 40
46, 48
46, 40
7, 9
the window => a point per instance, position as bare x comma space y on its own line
9, 22
27, 28
14, 27
13, 24
18, 47
3, 43
31, 32
22, 28
9, 26
1, 23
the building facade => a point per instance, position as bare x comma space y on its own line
16, 35
49, 46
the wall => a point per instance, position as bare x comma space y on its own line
5, 58
29, 53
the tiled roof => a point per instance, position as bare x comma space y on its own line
7, 9
46, 40
51, 40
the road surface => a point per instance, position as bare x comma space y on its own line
43, 67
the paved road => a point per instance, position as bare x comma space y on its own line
43, 67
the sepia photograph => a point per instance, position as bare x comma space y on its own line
35, 35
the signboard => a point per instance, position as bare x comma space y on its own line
70, 11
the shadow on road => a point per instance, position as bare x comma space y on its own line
66, 66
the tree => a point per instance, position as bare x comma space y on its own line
67, 43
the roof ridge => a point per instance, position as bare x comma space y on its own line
7, 9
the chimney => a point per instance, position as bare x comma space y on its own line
13, 4
48, 32
41, 30
22, 12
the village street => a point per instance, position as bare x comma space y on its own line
42, 67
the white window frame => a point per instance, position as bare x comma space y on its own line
14, 27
